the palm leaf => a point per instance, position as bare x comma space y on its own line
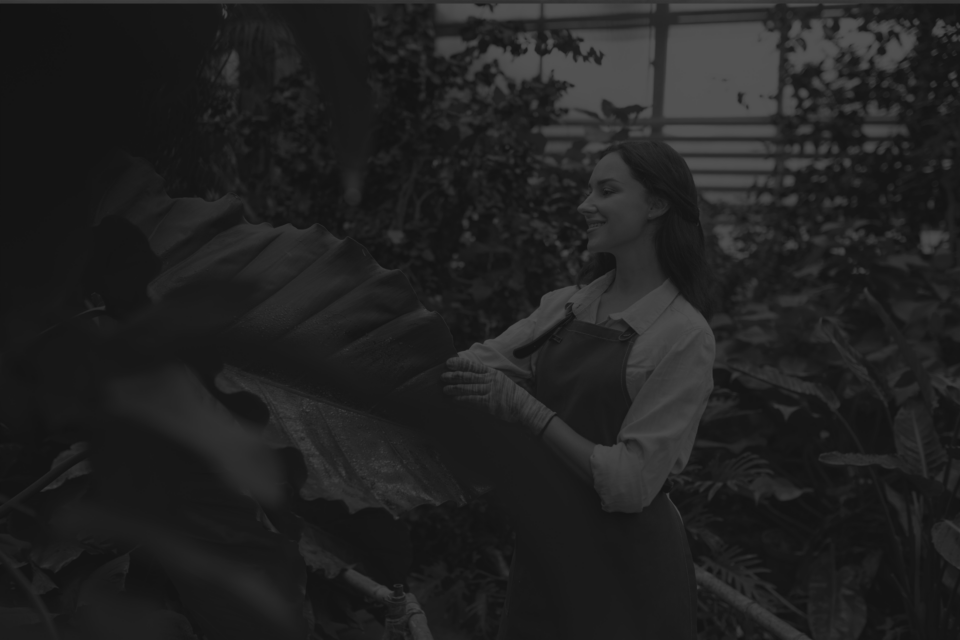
916, 440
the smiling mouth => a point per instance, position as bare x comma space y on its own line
594, 225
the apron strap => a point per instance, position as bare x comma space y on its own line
528, 349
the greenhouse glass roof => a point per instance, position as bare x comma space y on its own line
711, 94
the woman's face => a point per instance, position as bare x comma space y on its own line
618, 209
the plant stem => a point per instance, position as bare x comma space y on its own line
947, 467
946, 610
898, 552
41, 608
753, 611
43, 481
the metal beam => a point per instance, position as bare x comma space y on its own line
661, 28
639, 20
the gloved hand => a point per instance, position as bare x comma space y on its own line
489, 389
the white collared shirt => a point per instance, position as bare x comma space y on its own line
669, 379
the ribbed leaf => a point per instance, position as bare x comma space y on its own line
853, 360
788, 383
946, 540
355, 457
321, 324
916, 440
923, 378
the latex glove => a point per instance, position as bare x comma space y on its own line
489, 389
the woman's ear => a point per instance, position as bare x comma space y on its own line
657, 207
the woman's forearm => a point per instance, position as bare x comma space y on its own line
573, 449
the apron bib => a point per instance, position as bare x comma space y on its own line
651, 592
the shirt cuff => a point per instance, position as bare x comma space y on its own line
619, 490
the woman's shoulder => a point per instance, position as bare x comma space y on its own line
683, 319
558, 298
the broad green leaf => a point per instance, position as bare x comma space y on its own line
948, 387
773, 377
755, 335
338, 444
886, 461
322, 324
836, 609
56, 554
41, 582
946, 540
780, 488
909, 355
852, 359
916, 440
75, 471
107, 580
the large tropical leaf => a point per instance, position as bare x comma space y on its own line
946, 539
322, 319
788, 383
323, 327
358, 458
921, 374
916, 440
836, 609
886, 461
853, 360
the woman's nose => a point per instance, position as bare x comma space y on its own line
586, 206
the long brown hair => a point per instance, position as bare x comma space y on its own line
678, 240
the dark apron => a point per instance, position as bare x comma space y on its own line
651, 591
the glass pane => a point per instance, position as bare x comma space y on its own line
717, 6
576, 10
624, 78
460, 12
720, 70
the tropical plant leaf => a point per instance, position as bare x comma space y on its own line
77, 470
319, 317
788, 383
946, 540
780, 488
948, 387
886, 461
740, 570
909, 355
737, 474
108, 579
916, 440
338, 444
836, 609
853, 360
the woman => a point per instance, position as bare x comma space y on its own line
620, 372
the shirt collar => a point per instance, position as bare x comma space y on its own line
640, 315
